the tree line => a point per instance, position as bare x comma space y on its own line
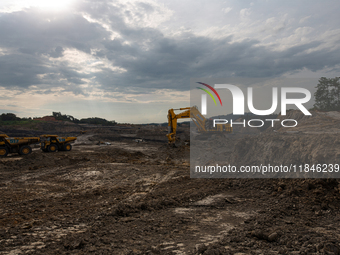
327, 98
11, 117
63, 117
93, 120
327, 95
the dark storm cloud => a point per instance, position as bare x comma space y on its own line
170, 63
24, 70
39, 32
152, 60
20, 70
57, 52
30, 36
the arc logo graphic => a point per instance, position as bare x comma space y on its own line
204, 97
238, 99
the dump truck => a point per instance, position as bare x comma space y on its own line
20, 145
204, 126
53, 143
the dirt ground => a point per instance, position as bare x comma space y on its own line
138, 198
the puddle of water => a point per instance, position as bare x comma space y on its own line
128, 135
92, 173
116, 164
183, 210
10, 159
212, 199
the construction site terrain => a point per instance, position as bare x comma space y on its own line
124, 190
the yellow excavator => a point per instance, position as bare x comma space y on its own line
203, 125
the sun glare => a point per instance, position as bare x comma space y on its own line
50, 4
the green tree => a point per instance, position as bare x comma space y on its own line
327, 95
8, 117
64, 117
98, 121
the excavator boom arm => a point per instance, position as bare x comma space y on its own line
203, 125
172, 122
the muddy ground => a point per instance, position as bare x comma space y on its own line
138, 198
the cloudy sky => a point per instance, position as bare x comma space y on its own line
132, 60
